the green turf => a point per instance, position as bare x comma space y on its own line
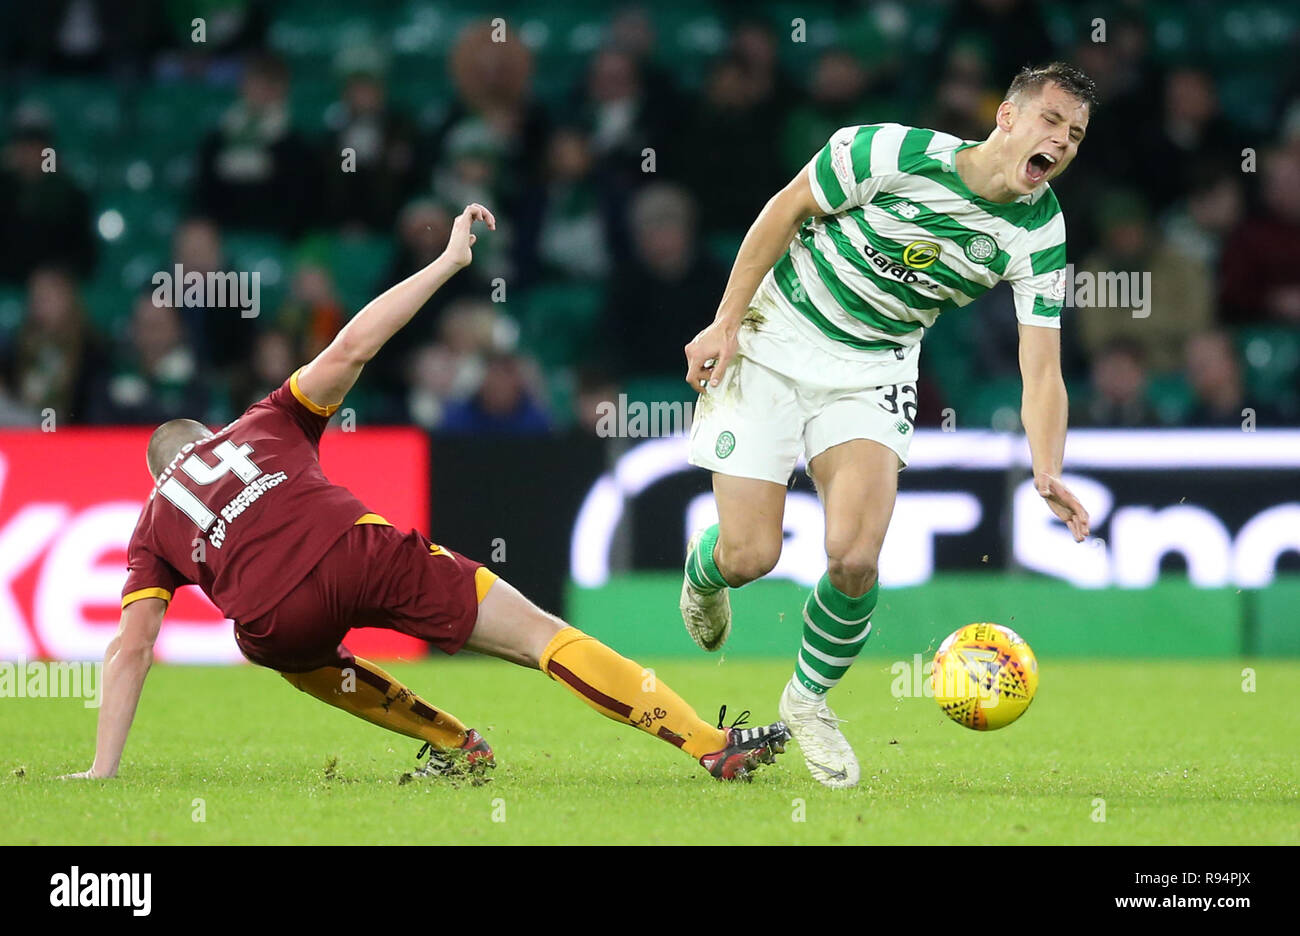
1178, 751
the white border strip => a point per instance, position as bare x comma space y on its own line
1117, 449
1171, 449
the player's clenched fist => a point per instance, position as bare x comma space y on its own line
461, 240
708, 354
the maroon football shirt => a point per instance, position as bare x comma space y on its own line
244, 515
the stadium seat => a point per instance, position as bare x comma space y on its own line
1171, 397
173, 117
1271, 356
85, 111
356, 262
993, 403
1255, 34
669, 388
723, 246
267, 255
310, 100
11, 310
559, 320
947, 353
561, 397
150, 215
1171, 31
108, 304
1249, 100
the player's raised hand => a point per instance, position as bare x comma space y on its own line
1064, 504
462, 239
708, 355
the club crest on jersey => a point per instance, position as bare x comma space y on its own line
920, 254
726, 444
981, 249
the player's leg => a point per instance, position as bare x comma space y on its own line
858, 484
748, 432
301, 639
511, 627
857, 481
361, 688
742, 546
748, 536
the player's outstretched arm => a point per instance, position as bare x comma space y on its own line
768, 237
1044, 409
328, 378
126, 663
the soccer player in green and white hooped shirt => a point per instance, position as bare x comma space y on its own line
815, 344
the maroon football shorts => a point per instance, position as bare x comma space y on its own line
374, 576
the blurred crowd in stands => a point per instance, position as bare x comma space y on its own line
621, 198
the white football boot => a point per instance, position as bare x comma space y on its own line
816, 730
707, 617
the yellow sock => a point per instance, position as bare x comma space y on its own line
622, 690
370, 693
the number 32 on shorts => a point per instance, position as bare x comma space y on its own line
889, 401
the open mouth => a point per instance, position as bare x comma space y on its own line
1038, 167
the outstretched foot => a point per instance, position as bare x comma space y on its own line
746, 749
472, 759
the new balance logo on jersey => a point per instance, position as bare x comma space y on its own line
905, 210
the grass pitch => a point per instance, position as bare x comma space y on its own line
1178, 752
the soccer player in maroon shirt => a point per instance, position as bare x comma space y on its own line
247, 515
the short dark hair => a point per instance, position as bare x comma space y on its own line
1071, 80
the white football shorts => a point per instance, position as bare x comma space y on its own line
792, 391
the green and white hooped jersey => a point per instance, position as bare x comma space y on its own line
904, 240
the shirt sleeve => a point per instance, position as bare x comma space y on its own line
849, 170
148, 576
1038, 281
289, 400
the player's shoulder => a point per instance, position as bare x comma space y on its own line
142, 536
922, 150
288, 398
888, 148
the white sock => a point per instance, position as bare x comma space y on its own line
803, 691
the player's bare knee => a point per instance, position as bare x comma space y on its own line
742, 563
542, 628
852, 571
